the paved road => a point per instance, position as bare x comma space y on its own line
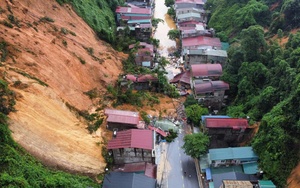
178, 164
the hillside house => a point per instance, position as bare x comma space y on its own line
191, 16
206, 71
122, 120
128, 180
183, 80
203, 56
132, 146
231, 131
137, 19
143, 45
140, 3
142, 82
199, 4
200, 42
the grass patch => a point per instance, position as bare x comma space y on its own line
65, 43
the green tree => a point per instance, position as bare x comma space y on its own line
172, 13
253, 43
174, 34
169, 3
155, 22
195, 144
194, 113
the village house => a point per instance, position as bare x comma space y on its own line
132, 146
199, 4
128, 180
206, 71
183, 80
141, 82
191, 16
203, 56
144, 55
227, 131
137, 19
140, 3
122, 120
148, 169
200, 42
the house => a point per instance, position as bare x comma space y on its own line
199, 4
200, 42
128, 180
218, 178
206, 71
203, 118
137, 19
122, 120
202, 12
132, 13
236, 184
204, 56
148, 169
132, 146
210, 93
141, 82
144, 57
144, 54
190, 16
139, 3
229, 131
231, 156
183, 80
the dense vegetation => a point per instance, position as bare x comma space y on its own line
195, 144
19, 169
99, 14
264, 76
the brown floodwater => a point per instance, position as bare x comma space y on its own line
166, 45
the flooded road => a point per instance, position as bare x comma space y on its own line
166, 45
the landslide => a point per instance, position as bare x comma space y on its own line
51, 57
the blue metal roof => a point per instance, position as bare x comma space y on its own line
250, 168
208, 174
239, 153
215, 117
266, 184
138, 21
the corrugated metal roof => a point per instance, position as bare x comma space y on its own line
122, 116
266, 184
182, 77
133, 138
123, 17
189, 1
139, 21
218, 178
201, 41
188, 15
238, 153
133, 10
234, 123
142, 44
142, 78
142, 167
220, 85
159, 131
250, 168
213, 116
127, 180
205, 87
206, 70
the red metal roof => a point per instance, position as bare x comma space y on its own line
189, 1
205, 87
148, 168
159, 131
204, 70
182, 77
142, 44
133, 10
234, 123
142, 78
220, 85
201, 41
133, 138
122, 116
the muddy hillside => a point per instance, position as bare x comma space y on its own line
51, 57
